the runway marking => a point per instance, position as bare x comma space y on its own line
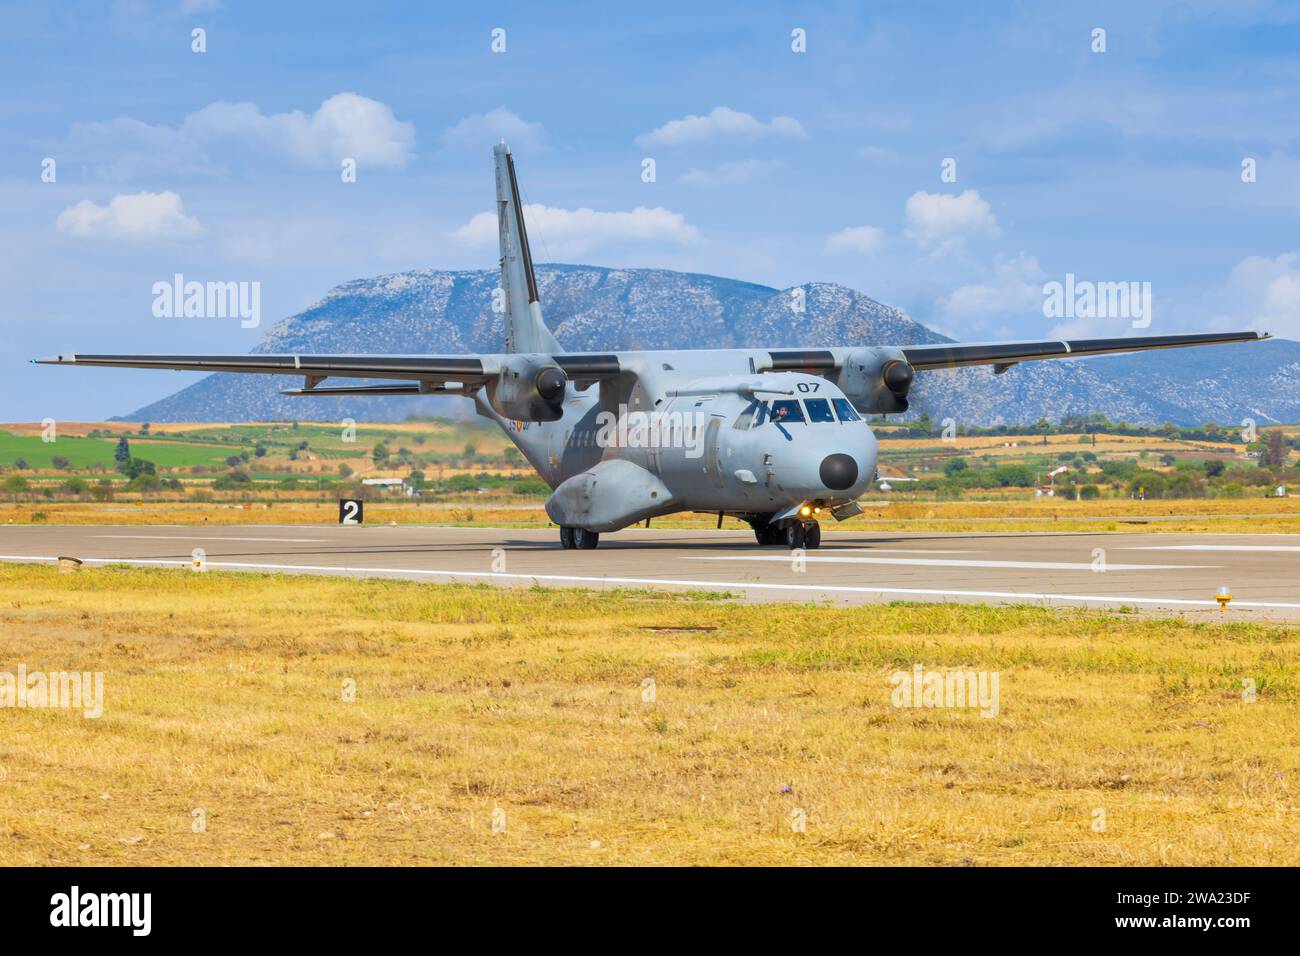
1214, 547
909, 550
208, 537
675, 582
941, 563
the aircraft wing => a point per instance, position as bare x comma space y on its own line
1006, 354
419, 373
465, 373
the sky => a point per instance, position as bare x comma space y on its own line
951, 159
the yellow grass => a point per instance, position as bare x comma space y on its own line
223, 695
883, 513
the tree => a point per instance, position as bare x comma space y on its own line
144, 482
345, 471
140, 466
123, 453
955, 465
232, 479
1274, 453
260, 450
58, 461
17, 485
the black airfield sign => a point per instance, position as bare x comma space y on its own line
350, 510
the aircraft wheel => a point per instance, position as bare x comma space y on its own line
584, 539
566, 537
812, 536
795, 535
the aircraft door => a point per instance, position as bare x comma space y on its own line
712, 451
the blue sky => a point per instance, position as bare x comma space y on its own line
771, 166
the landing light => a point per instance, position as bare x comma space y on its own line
805, 511
1223, 597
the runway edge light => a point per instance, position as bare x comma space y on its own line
1223, 597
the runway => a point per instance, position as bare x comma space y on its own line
1153, 573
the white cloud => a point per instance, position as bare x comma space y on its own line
492, 127
573, 232
856, 240
943, 220
1264, 294
1014, 288
739, 173
134, 216
722, 123
346, 125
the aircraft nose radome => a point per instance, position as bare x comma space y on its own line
839, 472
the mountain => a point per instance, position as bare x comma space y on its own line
597, 309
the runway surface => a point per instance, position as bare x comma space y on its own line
1163, 573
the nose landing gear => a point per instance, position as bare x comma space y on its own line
579, 538
803, 534
794, 533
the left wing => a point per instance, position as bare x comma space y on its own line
421, 373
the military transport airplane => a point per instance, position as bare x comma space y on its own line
772, 436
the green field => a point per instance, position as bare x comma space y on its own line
86, 453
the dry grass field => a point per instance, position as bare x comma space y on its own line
884, 514
223, 694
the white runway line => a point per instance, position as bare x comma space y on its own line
1281, 548
674, 582
830, 544
209, 537
941, 563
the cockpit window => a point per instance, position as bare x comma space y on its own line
786, 410
846, 411
819, 410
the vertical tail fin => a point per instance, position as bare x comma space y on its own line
525, 330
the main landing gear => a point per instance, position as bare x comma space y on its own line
793, 533
579, 538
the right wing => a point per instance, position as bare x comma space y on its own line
1006, 354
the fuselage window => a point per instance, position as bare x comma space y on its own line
819, 410
846, 411
761, 416
746, 418
786, 410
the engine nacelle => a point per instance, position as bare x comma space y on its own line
529, 389
876, 380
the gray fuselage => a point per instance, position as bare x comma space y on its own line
711, 438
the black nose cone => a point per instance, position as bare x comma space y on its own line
839, 472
